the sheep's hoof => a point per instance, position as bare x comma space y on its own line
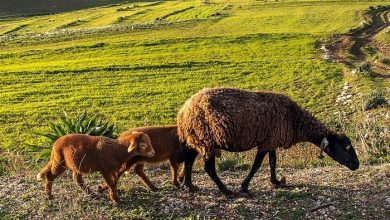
181, 179
279, 183
191, 188
50, 197
116, 201
228, 193
244, 190
102, 188
152, 188
94, 196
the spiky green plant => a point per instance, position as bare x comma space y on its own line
82, 123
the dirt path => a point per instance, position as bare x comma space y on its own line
347, 49
319, 193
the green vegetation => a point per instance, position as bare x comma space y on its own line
136, 63
82, 123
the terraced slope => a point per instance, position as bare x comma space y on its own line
136, 63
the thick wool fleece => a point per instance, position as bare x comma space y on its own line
238, 120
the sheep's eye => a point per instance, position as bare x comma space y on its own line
348, 147
142, 146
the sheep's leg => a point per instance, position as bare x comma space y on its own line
255, 167
181, 172
119, 173
78, 178
188, 164
139, 170
272, 164
174, 170
210, 169
49, 178
112, 181
55, 170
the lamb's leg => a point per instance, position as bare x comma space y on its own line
112, 181
78, 178
119, 173
55, 170
210, 169
139, 169
181, 172
188, 164
272, 164
255, 167
174, 170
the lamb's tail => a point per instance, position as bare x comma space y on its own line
44, 171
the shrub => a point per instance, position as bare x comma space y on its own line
364, 68
82, 123
227, 164
374, 100
373, 136
386, 61
236, 161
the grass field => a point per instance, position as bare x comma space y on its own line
136, 63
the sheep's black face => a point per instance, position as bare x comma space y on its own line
339, 148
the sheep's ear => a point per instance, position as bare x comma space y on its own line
133, 144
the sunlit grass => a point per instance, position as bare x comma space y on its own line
142, 76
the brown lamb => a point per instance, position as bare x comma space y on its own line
84, 154
167, 147
237, 120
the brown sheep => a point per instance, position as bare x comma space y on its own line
167, 147
237, 120
83, 154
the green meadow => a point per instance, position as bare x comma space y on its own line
136, 63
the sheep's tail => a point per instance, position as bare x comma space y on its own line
44, 171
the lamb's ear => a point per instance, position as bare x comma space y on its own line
133, 143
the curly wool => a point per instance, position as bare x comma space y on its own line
238, 120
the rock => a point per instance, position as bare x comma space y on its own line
387, 201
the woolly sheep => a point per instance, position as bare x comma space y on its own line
83, 154
238, 120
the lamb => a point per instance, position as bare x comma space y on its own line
167, 147
83, 154
238, 120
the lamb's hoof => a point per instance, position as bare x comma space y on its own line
50, 197
102, 188
181, 179
153, 189
94, 196
279, 183
116, 201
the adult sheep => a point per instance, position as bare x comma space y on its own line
237, 120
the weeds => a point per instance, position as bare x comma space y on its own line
375, 99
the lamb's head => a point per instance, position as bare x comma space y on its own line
140, 144
339, 147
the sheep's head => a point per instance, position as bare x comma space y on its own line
339, 147
140, 144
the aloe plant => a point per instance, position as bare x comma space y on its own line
82, 123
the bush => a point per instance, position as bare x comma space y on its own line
82, 123
232, 162
365, 68
374, 100
373, 136
386, 61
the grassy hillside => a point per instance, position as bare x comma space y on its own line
136, 63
